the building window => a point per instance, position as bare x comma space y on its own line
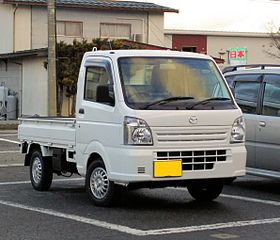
69, 29
189, 49
112, 30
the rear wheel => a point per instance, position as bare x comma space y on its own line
99, 188
206, 190
40, 171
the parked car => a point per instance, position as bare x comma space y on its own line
257, 91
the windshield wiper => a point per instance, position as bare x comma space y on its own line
166, 100
205, 101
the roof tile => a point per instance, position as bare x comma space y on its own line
98, 4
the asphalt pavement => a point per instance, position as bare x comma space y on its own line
9, 148
247, 209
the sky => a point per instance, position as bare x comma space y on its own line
222, 15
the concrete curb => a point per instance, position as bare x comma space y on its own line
8, 125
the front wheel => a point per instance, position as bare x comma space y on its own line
205, 190
40, 171
99, 188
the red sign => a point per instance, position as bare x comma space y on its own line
238, 54
241, 53
232, 54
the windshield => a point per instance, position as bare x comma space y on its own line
173, 83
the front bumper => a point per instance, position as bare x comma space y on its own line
136, 164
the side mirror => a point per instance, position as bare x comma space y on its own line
103, 96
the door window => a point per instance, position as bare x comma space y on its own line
271, 98
97, 79
246, 95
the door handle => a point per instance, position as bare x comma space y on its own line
262, 124
82, 111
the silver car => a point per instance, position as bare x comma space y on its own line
257, 91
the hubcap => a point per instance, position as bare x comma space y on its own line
37, 170
99, 183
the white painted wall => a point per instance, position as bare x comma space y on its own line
39, 27
156, 29
256, 47
6, 28
23, 29
34, 89
168, 40
140, 23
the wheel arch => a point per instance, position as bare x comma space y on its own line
94, 157
30, 149
45, 151
95, 150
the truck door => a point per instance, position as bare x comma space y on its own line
95, 111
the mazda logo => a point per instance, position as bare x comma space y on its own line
193, 120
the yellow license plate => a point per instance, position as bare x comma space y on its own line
168, 168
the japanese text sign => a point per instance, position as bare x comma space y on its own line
237, 56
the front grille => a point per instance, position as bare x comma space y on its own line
195, 160
191, 136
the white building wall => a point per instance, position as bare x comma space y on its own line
39, 27
6, 28
257, 47
23, 29
168, 40
34, 89
91, 21
141, 23
156, 29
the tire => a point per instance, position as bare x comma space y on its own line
206, 190
99, 188
229, 181
40, 171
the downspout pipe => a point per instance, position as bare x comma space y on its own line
14, 27
148, 28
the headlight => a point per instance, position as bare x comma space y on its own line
137, 132
238, 131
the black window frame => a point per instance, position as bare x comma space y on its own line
108, 68
259, 79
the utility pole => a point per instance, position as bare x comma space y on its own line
52, 106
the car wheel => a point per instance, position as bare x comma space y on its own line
206, 190
98, 186
40, 171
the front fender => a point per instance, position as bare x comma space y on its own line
96, 147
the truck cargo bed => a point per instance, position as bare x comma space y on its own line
54, 132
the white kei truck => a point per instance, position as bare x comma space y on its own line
144, 119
